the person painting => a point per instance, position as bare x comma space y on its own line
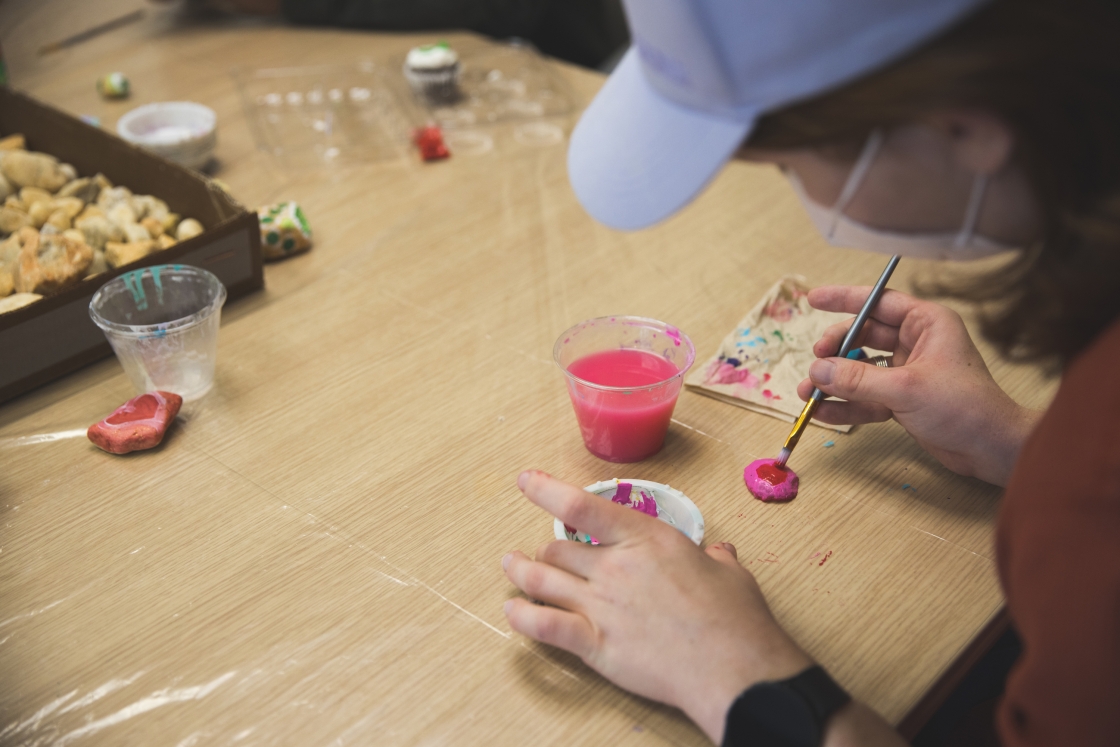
950, 129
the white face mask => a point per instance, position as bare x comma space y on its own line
839, 230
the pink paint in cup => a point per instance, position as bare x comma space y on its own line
624, 375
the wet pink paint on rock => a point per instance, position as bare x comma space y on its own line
768, 482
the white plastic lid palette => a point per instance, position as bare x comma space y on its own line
673, 507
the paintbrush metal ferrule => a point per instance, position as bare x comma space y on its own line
799, 427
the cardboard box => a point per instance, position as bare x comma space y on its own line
55, 336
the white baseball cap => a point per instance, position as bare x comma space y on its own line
701, 72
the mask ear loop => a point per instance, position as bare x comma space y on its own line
972, 212
859, 171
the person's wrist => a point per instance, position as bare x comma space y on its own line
708, 702
707, 707
1006, 438
1024, 422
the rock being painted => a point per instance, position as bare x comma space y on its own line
137, 424
769, 482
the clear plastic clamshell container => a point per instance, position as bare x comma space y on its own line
509, 99
326, 115
508, 96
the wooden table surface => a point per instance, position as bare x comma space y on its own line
313, 556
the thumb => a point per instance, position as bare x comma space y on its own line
859, 382
724, 552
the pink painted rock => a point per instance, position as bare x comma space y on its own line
137, 424
769, 482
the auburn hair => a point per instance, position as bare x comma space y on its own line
1050, 69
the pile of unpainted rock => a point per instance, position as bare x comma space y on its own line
57, 228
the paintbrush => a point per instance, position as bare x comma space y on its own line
815, 398
70, 41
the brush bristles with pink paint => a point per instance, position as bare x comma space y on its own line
849, 339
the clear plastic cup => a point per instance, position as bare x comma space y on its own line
624, 375
162, 322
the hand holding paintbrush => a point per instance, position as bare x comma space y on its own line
768, 479
815, 398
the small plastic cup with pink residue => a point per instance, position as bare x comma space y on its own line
652, 498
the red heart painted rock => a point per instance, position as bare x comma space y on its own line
430, 142
137, 424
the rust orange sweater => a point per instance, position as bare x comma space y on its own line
1058, 548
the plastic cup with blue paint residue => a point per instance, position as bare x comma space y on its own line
162, 322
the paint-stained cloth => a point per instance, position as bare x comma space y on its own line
760, 363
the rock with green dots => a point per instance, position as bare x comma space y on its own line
113, 86
284, 230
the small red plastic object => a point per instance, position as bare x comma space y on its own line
137, 424
429, 140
